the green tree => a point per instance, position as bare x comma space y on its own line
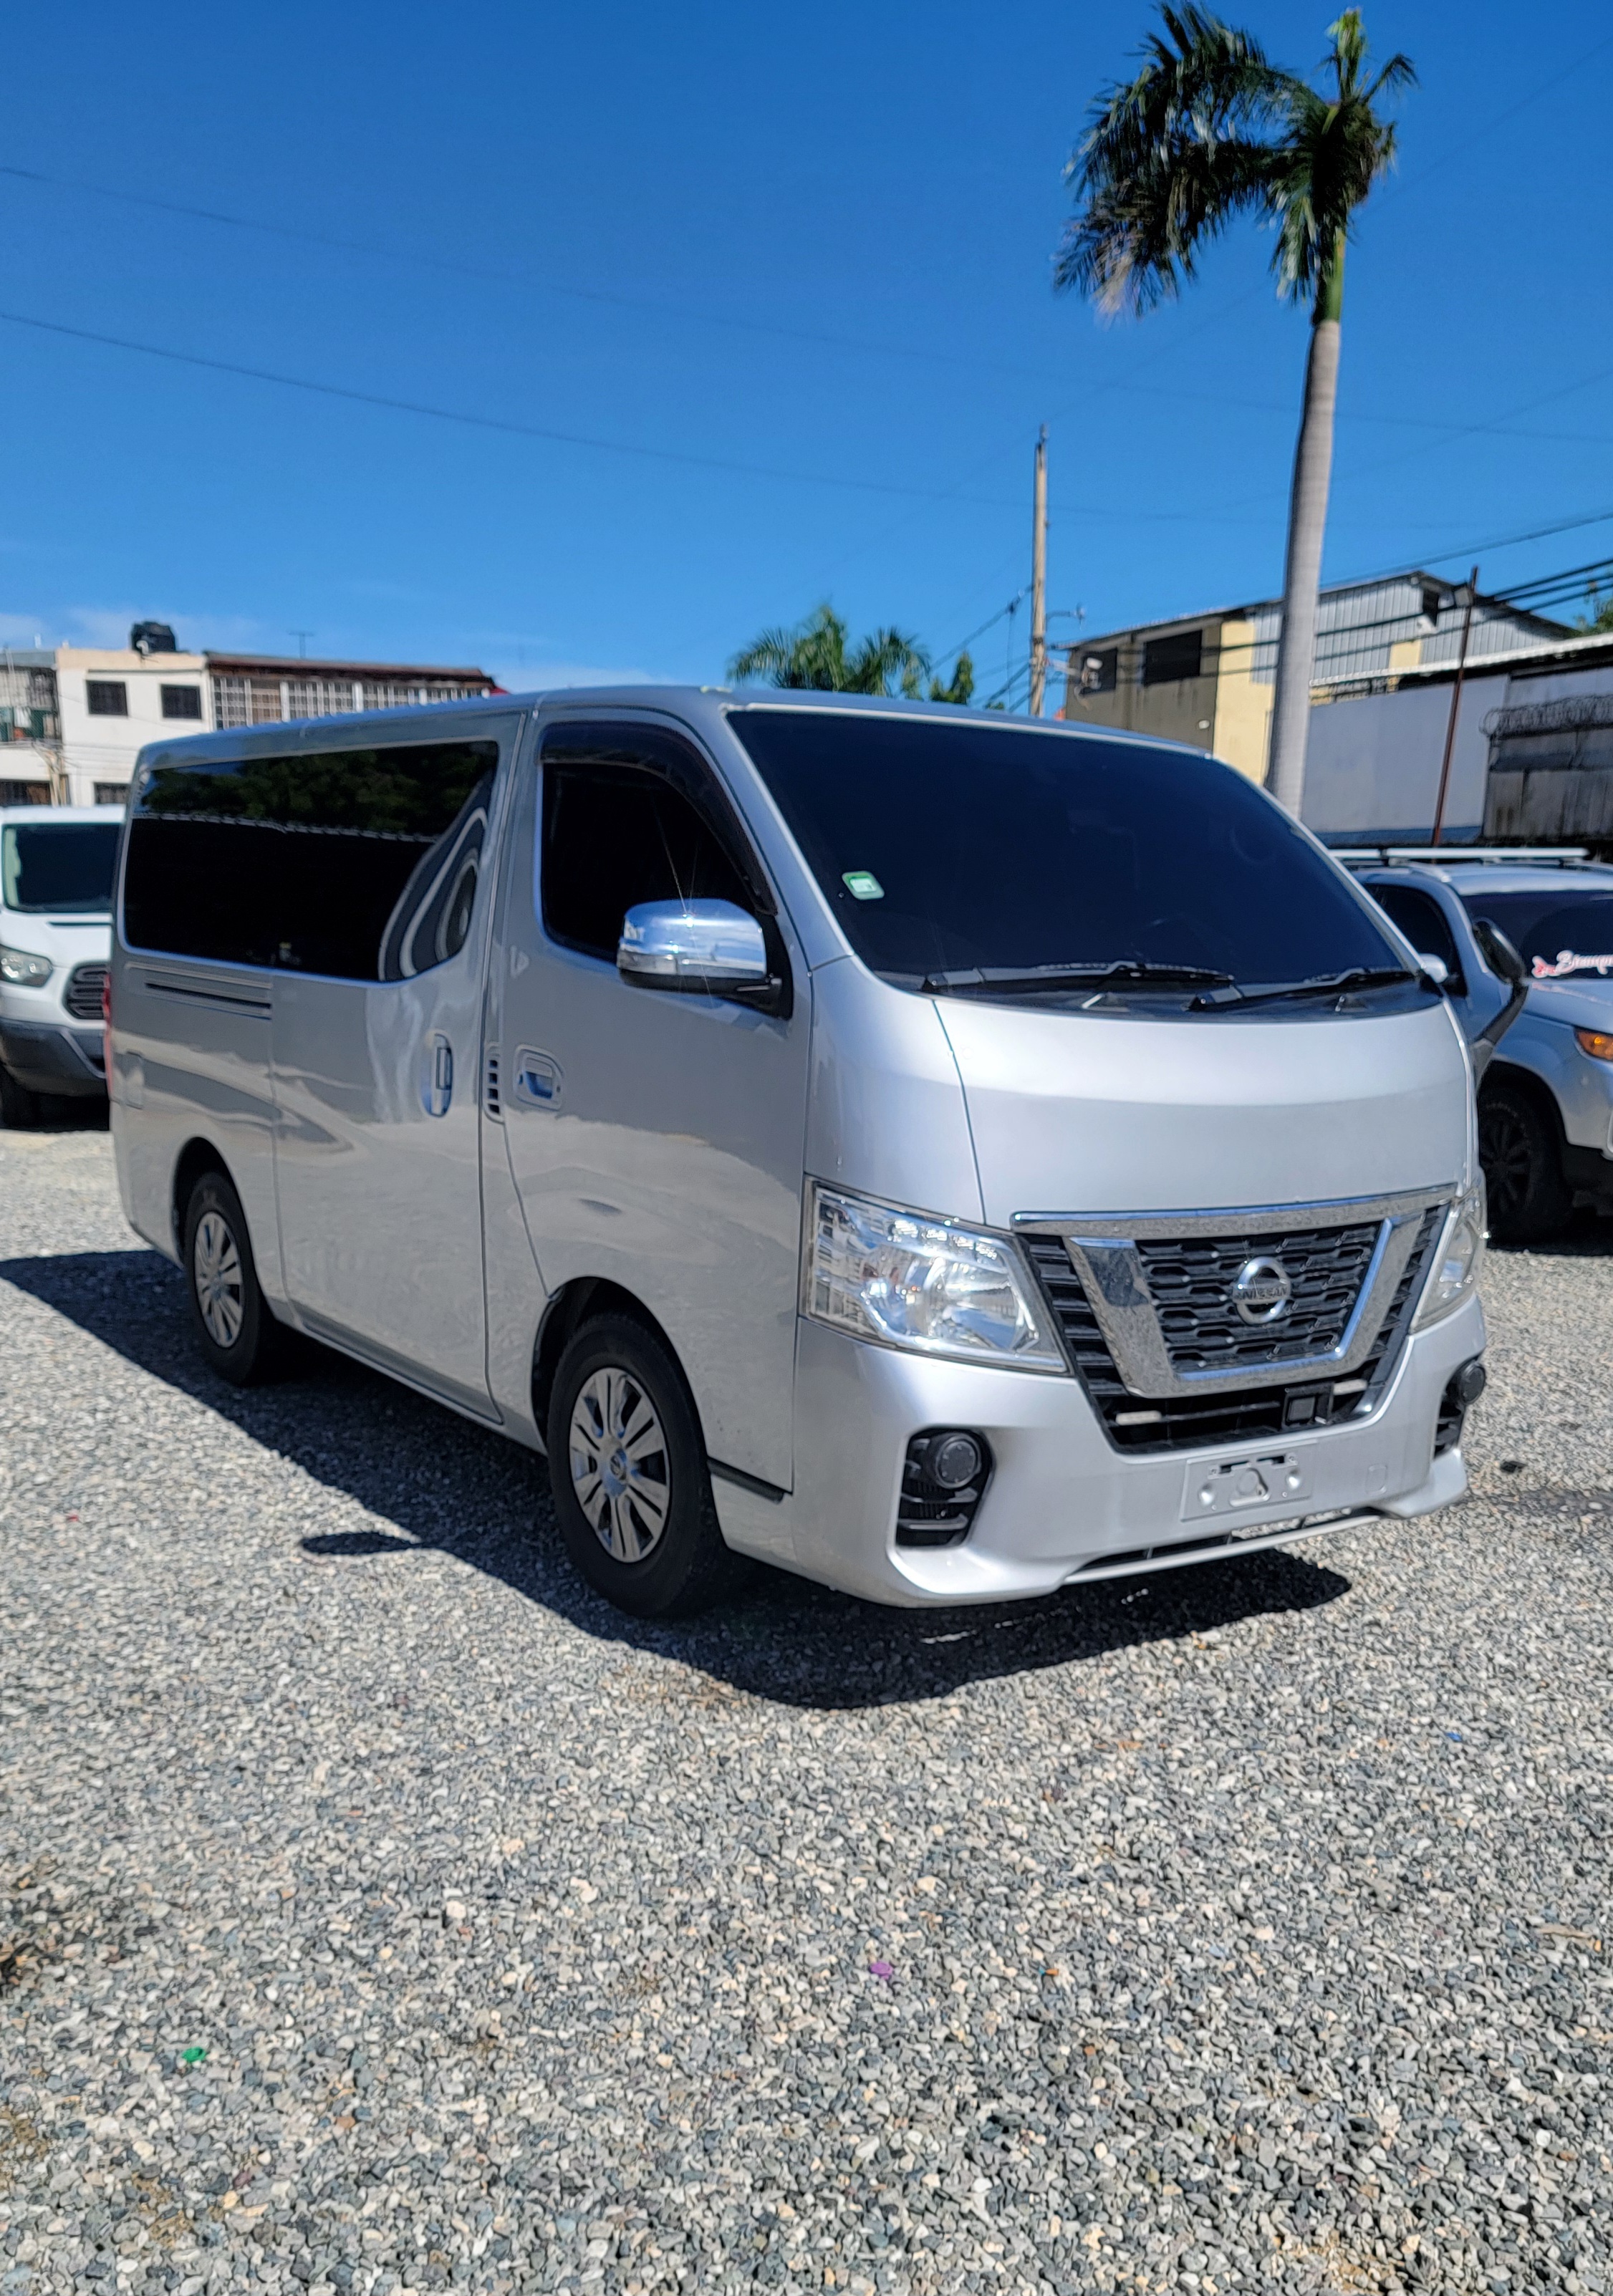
817, 655
1207, 130
1600, 615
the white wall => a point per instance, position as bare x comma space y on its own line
105, 749
1373, 765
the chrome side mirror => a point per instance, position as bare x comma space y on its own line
1435, 967
705, 949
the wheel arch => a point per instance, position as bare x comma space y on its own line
577, 1303
1528, 1086
198, 1156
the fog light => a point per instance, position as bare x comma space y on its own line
952, 1461
1465, 1385
944, 1478
1470, 1380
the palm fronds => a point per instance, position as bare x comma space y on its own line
817, 655
1208, 129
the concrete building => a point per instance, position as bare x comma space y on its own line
1210, 679
74, 719
1530, 757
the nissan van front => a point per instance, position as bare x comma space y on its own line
948, 1157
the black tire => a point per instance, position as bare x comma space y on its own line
646, 1537
238, 1335
1529, 1198
18, 1106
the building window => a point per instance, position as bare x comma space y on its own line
111, 792
108, 697
1166, 660
1098, 672
182, 701
1430, 605
25, 792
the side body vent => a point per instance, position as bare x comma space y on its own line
490, 1100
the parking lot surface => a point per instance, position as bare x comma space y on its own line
378, 1910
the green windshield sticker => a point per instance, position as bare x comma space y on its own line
862, 886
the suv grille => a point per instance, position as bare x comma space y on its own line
1235, 1414
82, 995
1191, 1285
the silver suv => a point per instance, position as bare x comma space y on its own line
1545, 1102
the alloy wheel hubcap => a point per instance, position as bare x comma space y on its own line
620, 1469
216, 1268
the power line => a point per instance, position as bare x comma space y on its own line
495, 277
469, 421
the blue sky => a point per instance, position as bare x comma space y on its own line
807, 254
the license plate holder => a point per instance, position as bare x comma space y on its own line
1230, 1486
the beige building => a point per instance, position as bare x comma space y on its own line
1210, 679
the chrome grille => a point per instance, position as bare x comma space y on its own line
1190, 1281
82, 995
1230, 1415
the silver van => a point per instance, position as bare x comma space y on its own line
948, 1157
56, 869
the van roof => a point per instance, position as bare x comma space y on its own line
693, 702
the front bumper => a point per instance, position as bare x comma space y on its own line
54, 1056
1062, 1502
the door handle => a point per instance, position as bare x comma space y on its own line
537, 1079
439, 1079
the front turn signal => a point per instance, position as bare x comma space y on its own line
1596, 1042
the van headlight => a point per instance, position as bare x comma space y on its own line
23, 969
913, 1282
1460, 1257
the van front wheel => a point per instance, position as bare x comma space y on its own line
239, 1337
629, 1476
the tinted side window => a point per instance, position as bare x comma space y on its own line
615, 833
360, 863
1421, 920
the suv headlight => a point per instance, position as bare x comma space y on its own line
1459, 1256
914, 1282
23, 969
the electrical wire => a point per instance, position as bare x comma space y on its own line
470, 420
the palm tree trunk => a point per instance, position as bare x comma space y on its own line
1307, 522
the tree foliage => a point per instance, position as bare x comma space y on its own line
1209, 129
817, 655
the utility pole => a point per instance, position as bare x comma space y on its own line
1039, 580
1461, 665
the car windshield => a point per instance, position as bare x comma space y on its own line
1562, 930
966, 858
64, 866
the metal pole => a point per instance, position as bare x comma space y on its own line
1039, 580
1461, 664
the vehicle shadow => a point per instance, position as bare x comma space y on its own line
1589, 1235
437, 1483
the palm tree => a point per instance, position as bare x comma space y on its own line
817, 655
1209, 129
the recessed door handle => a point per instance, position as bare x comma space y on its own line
439, 1079
537, 1079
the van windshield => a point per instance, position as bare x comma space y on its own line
64, 866
1006, 853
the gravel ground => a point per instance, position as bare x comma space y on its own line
378, 1911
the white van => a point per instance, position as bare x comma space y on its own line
948, 1157
56, 869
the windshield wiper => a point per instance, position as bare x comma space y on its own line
1327, 984
1122, 972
